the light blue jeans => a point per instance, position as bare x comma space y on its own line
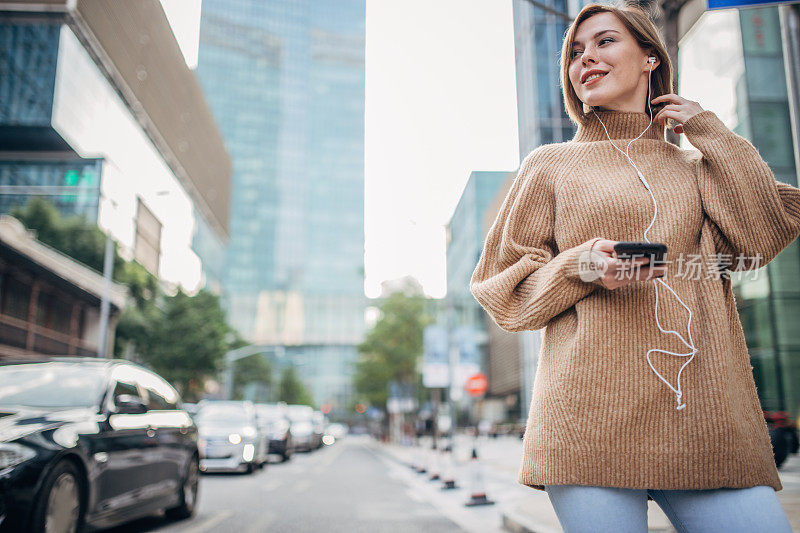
608, 509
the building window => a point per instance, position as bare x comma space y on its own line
147, 250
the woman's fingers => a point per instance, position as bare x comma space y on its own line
671, 97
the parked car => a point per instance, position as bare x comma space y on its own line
230, 440
274, 422
93, 442
782, 434
336, 430
302, 428
318, 422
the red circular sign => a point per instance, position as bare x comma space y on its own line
477, 385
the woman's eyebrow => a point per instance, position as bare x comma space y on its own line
596, 35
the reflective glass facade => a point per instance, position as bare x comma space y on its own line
724, 62
285, 80
465, 237
72, 186
538, 35
68, 136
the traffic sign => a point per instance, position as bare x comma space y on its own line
477, 385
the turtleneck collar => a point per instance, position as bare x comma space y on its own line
620, 125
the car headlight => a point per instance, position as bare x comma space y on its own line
14, 454
234, 438
249, 432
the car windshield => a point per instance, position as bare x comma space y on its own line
223, 414
51, 385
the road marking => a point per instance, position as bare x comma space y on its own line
271, 484
209, 522
302, 485
261, 525
327, 460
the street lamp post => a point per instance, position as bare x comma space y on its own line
105, 304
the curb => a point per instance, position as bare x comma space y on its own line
518, 523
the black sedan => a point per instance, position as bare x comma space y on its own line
91, 442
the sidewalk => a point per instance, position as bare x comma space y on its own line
523, 509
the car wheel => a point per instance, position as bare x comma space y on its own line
187, 494
58, 509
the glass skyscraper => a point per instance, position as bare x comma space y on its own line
538, 35
732, 62
285, 80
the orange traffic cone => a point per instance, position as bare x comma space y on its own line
477, 493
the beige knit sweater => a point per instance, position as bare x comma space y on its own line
599, 415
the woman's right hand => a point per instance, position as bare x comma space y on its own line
617, 272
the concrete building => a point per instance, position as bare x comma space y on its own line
49, 303
100, 114
285, 80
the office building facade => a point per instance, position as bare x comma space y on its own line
285, 80
100, 115
735, 63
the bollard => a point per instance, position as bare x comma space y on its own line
433, 465
477, 493
448, 469
417, 461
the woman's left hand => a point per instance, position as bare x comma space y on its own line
679, 109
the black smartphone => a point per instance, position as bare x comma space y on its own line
657, 252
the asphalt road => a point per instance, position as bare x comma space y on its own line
343, 488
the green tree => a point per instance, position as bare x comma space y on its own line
291, 390
74, 236
392, 349
251, 370
184, 338
187, 341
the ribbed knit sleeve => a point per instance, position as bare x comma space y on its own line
753, 213
521, 279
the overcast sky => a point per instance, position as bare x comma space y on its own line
440, 103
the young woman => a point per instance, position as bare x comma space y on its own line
644, 388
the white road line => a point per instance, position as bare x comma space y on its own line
302, 485
271, 484
261, 525
208, 523
327, 460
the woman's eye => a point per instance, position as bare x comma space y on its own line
575, 52
609, 39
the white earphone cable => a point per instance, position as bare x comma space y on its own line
678, 392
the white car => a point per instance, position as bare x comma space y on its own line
230, 440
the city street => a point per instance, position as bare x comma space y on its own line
346, 487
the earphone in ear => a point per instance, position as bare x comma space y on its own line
652, 61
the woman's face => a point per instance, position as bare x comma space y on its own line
604, 46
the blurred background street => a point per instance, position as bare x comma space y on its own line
237, 238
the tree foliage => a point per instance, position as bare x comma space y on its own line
184, 338
392, 349
251, 370
291, 390
74, 236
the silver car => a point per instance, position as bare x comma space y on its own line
230, 439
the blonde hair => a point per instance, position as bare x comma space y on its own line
641, 27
